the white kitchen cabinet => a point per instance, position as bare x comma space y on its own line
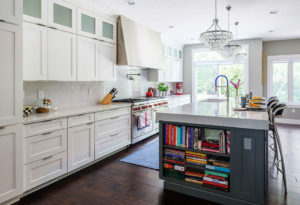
87, 59
177, 71
11, 154
35, 11
44, 170
62, 15
11, 11
87, 23
11, 82
34, 52
108, 29
107, 61
45, 127
61, 55
80, 145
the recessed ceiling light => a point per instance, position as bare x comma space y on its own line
192, 39
131, 3
274, 11
271, 31
171, 26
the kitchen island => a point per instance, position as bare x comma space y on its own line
209, 151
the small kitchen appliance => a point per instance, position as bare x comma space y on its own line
179, 89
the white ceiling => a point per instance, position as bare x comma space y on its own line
191, 17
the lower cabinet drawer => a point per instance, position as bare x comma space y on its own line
112, 113
109, 143
42, 171
80, 119
45, 145
104, 127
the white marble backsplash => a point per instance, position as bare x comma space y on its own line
75, 94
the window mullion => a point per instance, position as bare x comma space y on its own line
290, 82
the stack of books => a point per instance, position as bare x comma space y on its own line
195, 158
213, 140
174, 156
216, 180
174, 167
194, 175
219, 161
182, 136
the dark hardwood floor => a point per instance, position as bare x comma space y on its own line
111, 182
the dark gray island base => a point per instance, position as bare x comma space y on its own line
246, 177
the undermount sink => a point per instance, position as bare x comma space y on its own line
213, 100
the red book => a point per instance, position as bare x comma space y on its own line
209, 150
215, 184
216, 177
167, 134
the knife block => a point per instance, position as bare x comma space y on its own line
107, 99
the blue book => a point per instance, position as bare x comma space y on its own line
221, 169
173, 155
166, 139
192, 138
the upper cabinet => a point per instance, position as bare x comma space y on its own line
34, 52
107, 61
11, 11
107, 30
62, 15
87, 24
11, 84
87, 59
35, 11
61, 55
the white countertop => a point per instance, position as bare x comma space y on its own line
217, 114
39, 117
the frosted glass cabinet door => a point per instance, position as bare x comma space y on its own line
11, 11
107, 30
11, 84
87, 24
87, 59
107, 61
34, 52
61, 55
62, 15
35, 11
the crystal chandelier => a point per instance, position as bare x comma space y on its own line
231, 49
215, 37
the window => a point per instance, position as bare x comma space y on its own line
284, 78
207, 65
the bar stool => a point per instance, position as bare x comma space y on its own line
272, 102
277, 111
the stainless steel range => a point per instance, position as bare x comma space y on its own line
144, 110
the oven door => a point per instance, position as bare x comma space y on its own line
141, 128
155, 121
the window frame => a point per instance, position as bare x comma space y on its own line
290, 59
218, 63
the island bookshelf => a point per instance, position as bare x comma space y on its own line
247, 177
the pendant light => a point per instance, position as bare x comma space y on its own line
231, 49
215, 38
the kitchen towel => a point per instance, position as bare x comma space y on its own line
144, 119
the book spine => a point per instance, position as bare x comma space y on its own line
166, 134
170, 134
210, 150
228, 142
216, 173
216, 181
221, 169
215, 184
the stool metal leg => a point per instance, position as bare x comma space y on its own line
281, 159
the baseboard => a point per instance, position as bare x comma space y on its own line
287, 121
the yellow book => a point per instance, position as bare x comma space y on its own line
196, 153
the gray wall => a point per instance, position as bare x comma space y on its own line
255, 66
284, 47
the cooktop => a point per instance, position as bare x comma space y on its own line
139, 99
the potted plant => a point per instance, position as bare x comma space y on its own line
163, 89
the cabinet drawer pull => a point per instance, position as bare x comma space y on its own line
2, 127
45, 158
89, 123
47, 133
114, 118
114, 135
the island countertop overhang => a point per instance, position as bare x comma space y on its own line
215, 114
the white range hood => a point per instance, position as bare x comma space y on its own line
138, 45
